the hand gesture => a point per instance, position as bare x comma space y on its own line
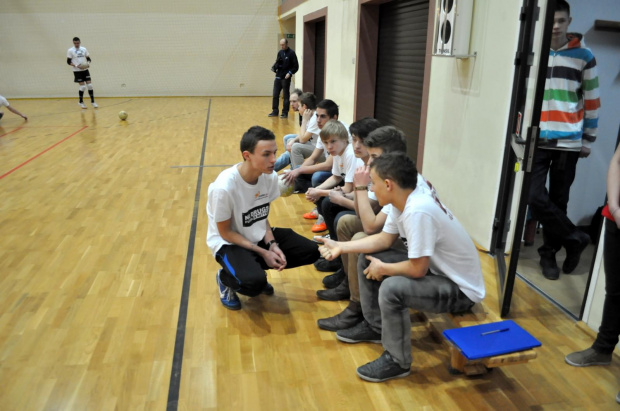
361, 176
336, 196
307, 115
374, 269
330, 248
313, 194
289, 144
274, 258
290, 176
585, 152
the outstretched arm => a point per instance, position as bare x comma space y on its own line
16, 111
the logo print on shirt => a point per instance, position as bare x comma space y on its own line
255, 214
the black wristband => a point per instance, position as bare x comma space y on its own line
271, 242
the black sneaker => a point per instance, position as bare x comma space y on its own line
268, 289
334, 280
573, 252
273, 114
284, 115
328, 266
382, 369
550, 268
360, 332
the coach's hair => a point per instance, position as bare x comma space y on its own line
309, 100
255, 134
388, 138
298, 92
398, 168
562, 5
329, 106
362, 128
76, 39
334, 128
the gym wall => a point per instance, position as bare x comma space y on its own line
140, 48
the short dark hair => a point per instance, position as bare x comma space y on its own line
76, 39
329, 106
255, 134
562, 5
388, 138
298, 92
398, 168
309, 100
362, 128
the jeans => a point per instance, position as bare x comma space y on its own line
283, 85
549, 207
244, 270
609, 330
386, 303
301, 151
285, 158
329, 211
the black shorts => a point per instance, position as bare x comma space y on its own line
81, 76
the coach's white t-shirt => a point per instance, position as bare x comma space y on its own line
4, 102
77, 56
432, 231
231, 197
344, 165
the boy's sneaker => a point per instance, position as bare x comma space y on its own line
273, 114
284, 115
227, 296
319, 225
587, 358
95, 105
81, 104
382, 369
311, 215
359, 333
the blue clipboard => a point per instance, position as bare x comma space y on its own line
488, 340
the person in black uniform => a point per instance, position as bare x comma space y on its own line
285, 66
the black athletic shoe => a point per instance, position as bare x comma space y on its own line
328, 266
361, 332
284, 115
268, 290
550, 268
335, 294
382, 369
273, 114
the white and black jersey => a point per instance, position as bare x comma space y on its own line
77, 56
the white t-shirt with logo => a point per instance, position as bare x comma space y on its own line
4, 102
432, 231
77, 56
231, 197
344, 165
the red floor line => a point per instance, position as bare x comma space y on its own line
41, 153
6, 134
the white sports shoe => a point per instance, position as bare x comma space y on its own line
82, 105
95, 105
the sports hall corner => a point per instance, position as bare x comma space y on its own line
108, 290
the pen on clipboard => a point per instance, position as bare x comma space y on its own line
495, 331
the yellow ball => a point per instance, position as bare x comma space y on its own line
122, 115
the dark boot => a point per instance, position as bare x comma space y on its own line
328, 266
334, 280
351, 316
574, 250
336, 294
550, 268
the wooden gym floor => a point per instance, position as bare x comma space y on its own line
99, 229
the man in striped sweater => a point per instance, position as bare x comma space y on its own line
568, 125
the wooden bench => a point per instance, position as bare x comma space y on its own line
459, 364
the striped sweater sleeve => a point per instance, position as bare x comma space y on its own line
591, 101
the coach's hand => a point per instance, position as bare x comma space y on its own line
274, 258
330, 248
